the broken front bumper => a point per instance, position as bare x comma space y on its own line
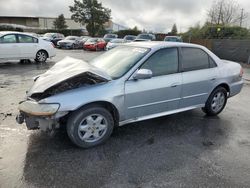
39, 115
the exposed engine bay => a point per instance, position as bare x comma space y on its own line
84, 79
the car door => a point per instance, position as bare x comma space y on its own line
28, 46
8, 47
158, 94
198, 75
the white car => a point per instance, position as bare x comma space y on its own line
114, 43
20, 46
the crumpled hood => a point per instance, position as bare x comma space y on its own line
63, 70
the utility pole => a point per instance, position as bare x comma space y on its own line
241, 16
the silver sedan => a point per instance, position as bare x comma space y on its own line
130, 83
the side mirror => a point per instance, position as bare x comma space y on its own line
143, 74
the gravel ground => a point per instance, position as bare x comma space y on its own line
183, 150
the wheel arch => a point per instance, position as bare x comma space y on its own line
107, 105
44, 51
224, 85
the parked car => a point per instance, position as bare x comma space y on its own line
114, 43
70, 42
94, 44
20, 46
53, 37
173, 39
83, 40
145, 37
133, 82
109, 37
129, 38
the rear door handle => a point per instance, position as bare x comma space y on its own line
213, 79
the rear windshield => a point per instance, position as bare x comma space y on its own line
70, 38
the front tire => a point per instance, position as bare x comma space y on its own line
216, 102
41, 56
90, 126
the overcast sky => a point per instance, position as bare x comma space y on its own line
154, 15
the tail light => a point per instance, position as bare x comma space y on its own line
53, 44
241, 72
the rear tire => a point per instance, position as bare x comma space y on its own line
216, 102
90, 126
41, 56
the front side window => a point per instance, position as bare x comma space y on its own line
194, 59
8, 39
163, 62
25, 39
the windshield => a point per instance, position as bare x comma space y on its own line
120, 60
141, 36
92, 40
109, 36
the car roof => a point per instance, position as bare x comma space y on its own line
10, 32
15, 32
161, 44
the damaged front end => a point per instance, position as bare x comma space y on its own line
65, 75
39, 115
82, 80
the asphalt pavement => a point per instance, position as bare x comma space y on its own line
187, 149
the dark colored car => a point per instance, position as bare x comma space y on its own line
145, 37
173, 39
95, 44
109, 37
53, 37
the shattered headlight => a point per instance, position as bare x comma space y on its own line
38, 109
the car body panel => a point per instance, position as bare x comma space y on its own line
155, 95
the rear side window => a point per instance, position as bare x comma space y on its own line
163, 62
194, 59
26, 39
8, 39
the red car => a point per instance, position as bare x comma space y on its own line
94, 44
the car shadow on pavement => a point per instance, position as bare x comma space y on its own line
134, 155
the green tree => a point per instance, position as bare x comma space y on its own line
91, 13
60, 23
174, 30
135, 28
